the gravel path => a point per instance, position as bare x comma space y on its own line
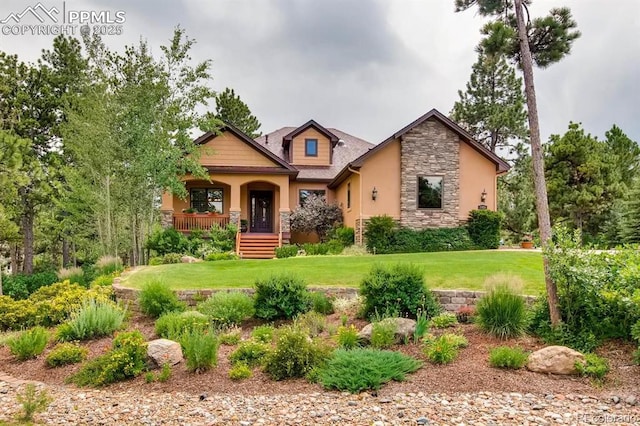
71, 406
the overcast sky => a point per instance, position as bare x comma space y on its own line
370, 67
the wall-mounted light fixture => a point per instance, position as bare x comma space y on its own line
374, 194
483, 196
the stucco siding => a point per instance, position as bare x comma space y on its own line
477, 174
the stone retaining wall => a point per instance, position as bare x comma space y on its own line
451, 300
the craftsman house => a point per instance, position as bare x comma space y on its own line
431, 173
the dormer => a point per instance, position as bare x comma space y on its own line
309, 145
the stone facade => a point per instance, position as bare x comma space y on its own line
234, 217
430, 149
166, 218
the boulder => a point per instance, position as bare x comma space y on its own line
405, 328
163, 351
189, 259
554, 360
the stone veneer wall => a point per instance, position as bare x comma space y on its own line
430, 149
450, 300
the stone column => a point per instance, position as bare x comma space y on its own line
234, 217
285, 225
166, 218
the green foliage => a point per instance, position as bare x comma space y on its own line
263, 333
465, 314
20, 286
344, 235
230, 337
593, 366
73, 275
240, 371
357, 370
227, 308
163, 376
223, 239
200, 350
170, 258
93, 319
635, 331
156, 299
172, 325
280, 296
156, 260
441, 350
347, 337
457, 340
165, 241
422, 326
287, 251
630, 216
249, 353
516, 198
502, 312
508, 357
28, 344
443, 320
212, 257
232, 110
65, 354
383, 334
32, 402
378, 232
108, 265
103, 280
295, 355
400, 287
484, 228
636, 356
316, 215
312, 322
126, 359
321, 303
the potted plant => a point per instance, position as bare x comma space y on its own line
212, 210
244, 225
190, 210
527, 241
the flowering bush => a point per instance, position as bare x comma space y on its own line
316, 215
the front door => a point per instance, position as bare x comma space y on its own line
261, 214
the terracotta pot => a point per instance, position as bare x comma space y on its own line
526, 244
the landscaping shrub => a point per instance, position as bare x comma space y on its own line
457, 340
164, 241
347, 337
231, 337
321, 303
484, 228
295, 355
212, 257
355, 250
443, 320
263, 333
108, 265
286, 251
200, 350
227, 308
316, 249
75, 275
249, 353
170, 258
156, 298
422, 326
593, 366
20, 286
502, 312
156, 260
32, 402
173, 324
223, 239
281, 296
441, 350
357, 370
465, 314
65, 354
344, 235
397, 288
103, 280
313, 322
93, 319
29, 343
383, 334
508, 357
240, 371
378, 232
126, 359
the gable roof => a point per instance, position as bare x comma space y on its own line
311, 123
501, 165
246, 139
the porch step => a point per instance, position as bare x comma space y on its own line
258, 246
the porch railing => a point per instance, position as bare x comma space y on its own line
190, 221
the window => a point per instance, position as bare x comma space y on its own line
207, 199
430, 192
349, 195
311, 147
304, 193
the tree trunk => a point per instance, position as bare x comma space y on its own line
542, 203
27, 241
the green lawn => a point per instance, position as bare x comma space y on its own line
444, 270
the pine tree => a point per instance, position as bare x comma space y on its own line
231, 110
492, 107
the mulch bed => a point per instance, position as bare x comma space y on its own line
470, 372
